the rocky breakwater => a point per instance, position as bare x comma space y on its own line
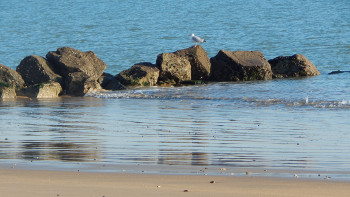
64, 71
252, 65
72, 72
176, 68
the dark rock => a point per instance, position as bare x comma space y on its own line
43, 90
10, 78
67, 60
200, 63
78, 84
240, 66
109, 82
7, 92
141, 74
292, 66
35, 70
173, 68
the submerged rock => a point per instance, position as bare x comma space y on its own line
141, 74
200, 63
240, 66
43, 90
35, 70
10, 78
292, 66
338, 72
81, 72
173, 68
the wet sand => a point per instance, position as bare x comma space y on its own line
15, 182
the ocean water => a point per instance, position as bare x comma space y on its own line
294, 124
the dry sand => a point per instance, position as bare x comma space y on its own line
14, 182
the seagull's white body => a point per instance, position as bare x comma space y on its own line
196, 39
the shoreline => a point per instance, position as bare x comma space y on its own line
182, 170
20, 182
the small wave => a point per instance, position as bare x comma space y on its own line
302, 103
185, 94
305, 103
119, 95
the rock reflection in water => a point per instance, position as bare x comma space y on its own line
65, 151
62, 129
172, 131
181, 158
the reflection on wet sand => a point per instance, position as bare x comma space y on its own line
166, 132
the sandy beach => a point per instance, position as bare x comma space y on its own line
15, 183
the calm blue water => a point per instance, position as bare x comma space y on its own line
279, 124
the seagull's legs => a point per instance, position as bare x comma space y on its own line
195, 44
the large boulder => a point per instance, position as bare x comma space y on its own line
7, 92
35, 70
173, 68
141, 74
67, 60
109, 82
240, 66
292, 66
80, 70
43, 90
9, 77
200, 63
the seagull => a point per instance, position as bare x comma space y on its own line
196, 39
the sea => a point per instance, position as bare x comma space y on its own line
265, 127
